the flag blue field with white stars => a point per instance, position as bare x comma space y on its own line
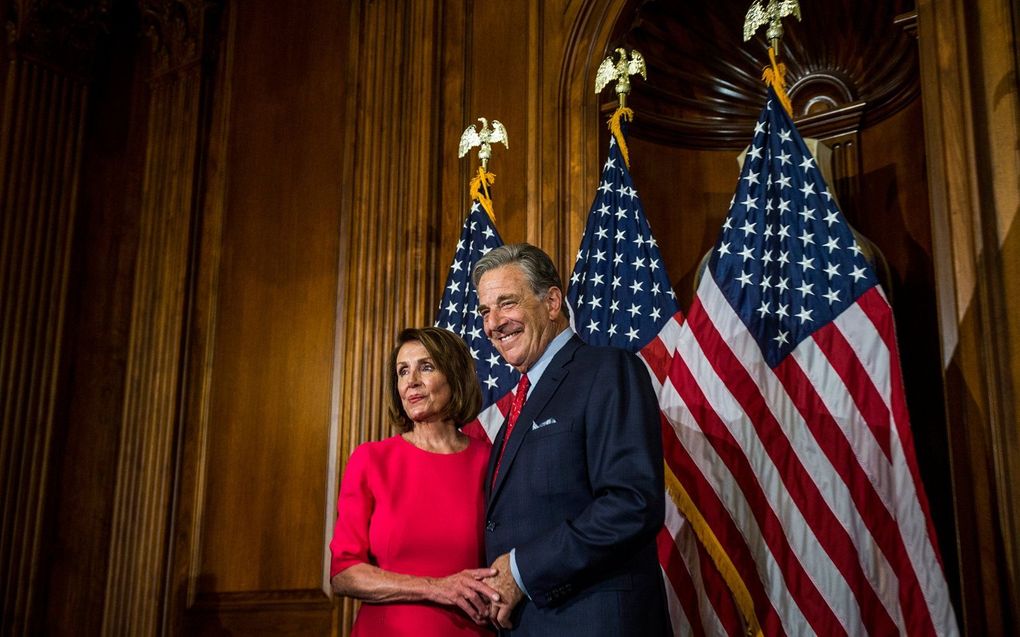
458, 309
619, 290
786, 259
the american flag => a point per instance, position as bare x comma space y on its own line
619, 292
792, 439
458, 312
620, 296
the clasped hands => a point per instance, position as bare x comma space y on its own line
484, 594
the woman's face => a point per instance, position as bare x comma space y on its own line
423, 389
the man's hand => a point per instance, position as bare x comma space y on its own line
509, 593
466, 590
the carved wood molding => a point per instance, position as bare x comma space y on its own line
172, 196
969, 65
148, 429
389, 267
40, 153
581, 120
311, 599
177, 30
58, 34
704, 88
183, 562
840, 129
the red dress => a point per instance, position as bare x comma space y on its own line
414, 512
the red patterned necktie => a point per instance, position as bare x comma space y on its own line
515, 411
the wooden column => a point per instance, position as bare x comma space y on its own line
145, 466
392, 275
969, 86
45, 91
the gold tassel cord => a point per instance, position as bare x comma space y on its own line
480, 190
775, 76
617, 129
741, 596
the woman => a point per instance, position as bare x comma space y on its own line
408, 537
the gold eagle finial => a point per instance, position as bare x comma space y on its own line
773, 15
620, 70
485, 138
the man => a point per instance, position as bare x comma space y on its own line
575, 491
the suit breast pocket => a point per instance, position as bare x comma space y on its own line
557, 456
546, 428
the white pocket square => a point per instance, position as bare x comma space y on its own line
544, 423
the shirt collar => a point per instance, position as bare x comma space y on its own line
535, 371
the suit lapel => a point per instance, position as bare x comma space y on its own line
553, 376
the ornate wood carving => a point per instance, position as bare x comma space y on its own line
175, 29
58, 34
704, 88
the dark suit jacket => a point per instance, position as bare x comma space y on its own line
580, 496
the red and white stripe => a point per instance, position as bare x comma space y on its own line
805, 474
491, 418
680, 555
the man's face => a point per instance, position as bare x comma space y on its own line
517, 321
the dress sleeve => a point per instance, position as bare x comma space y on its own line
349, 545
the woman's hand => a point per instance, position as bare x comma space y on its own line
506, 587
466, 591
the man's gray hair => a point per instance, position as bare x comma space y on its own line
538, 268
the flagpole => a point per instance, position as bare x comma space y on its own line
619, 71
458, 309
483, 139
757, 16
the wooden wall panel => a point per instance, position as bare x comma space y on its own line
100, 288
453, 101
391, 266
260, 460
501, 86
686, 195
270, 391
969, 69
301, 201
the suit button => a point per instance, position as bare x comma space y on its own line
490, 525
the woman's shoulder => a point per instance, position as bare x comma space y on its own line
373, 450
479, 449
